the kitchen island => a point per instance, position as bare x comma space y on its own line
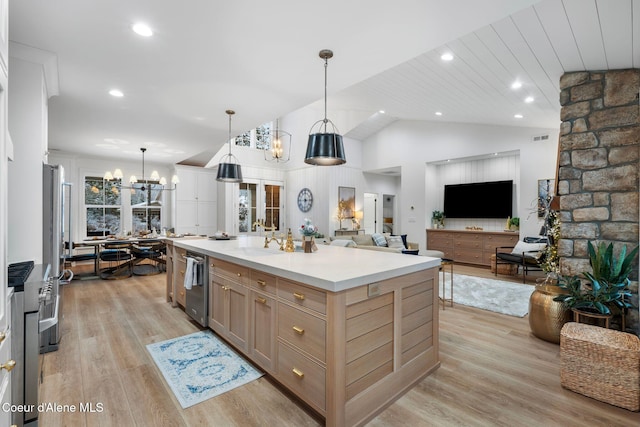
347, 331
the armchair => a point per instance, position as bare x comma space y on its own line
528, 254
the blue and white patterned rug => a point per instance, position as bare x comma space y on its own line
200, 366
489, 294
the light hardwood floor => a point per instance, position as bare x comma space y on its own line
493, 372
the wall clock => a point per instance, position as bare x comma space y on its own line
305, 200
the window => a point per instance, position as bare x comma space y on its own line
263, 137
146, 207
102, 201
259, 137
243, 140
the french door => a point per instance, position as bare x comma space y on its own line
260, 201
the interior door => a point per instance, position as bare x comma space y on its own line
260, 201
369, 216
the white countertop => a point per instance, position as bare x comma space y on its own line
331, 268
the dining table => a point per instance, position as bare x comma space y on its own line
97, 243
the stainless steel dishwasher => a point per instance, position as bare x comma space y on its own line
197, 297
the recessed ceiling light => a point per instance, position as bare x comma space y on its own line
381, 111
446, 56
516, 85
142, 29
518, 116
116, 141
107, 146
528, 99
438, 113
116, 92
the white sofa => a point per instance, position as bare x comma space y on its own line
366, 241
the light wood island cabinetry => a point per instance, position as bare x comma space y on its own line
469, 246
179, 269
229, 298
347, 346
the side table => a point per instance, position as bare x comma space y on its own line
446, 262
596, 316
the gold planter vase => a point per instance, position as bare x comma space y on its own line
546, 316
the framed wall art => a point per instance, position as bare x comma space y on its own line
347, 201
546, 188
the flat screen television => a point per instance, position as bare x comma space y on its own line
479, 200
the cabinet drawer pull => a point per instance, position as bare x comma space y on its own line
298, 296
182, 272
261, 300
211, 265
262, 283
2, 336
298, 330
239, 274
9, 365
298, 373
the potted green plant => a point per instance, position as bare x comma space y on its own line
437, 219
514, 223
608, 286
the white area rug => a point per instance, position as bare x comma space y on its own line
200, 366
489, 294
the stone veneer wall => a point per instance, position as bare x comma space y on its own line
598, 167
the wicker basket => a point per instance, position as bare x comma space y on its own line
508, 269
601, 363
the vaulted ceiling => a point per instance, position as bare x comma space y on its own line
261, 59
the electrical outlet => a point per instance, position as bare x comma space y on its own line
373, 290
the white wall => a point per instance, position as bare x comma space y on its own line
323, 181
414, 144
77, 167
381, 184
497, 168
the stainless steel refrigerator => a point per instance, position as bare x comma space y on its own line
53, 243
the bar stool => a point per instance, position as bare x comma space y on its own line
446, 262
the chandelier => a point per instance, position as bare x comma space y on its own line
280, 150
155, 178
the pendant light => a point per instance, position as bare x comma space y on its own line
325, 148
229, 168
280, 150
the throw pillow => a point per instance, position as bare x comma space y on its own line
395, 242
404, 240
529, 249
344, 243
363, 240
379, 239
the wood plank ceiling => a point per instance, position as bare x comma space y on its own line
534, 46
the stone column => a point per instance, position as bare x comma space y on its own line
598, 166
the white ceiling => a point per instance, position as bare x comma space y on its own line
261, 59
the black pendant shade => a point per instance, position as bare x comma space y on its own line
325, 149
229, 172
